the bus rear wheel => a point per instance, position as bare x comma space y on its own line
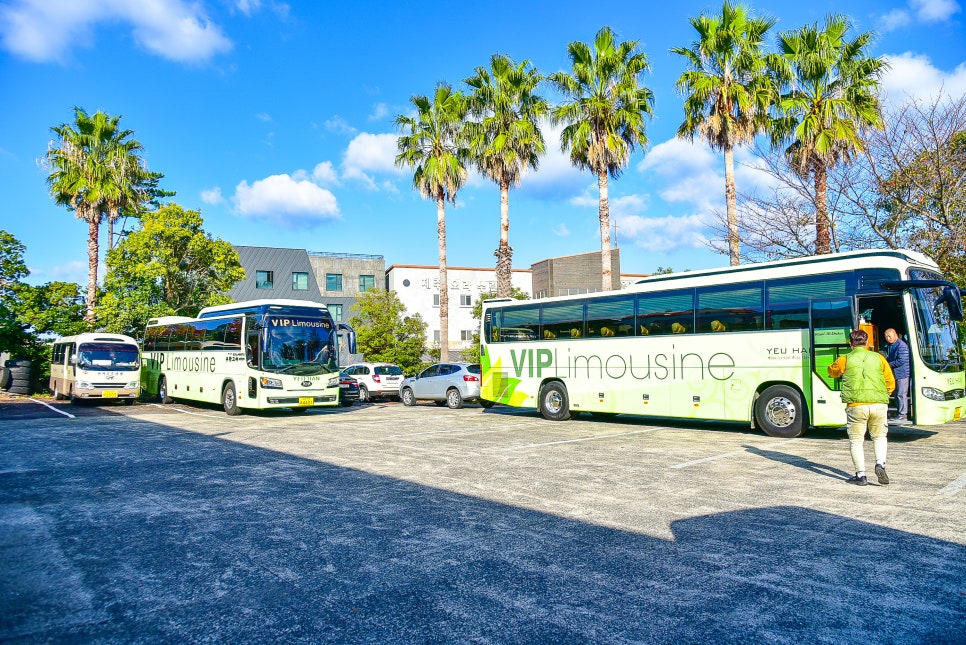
229, 400
554, 402
163, 391
780, 413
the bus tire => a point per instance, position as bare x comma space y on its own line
454, 400
554, 402
163, 391
408, 398
779, 411
58, 396
229, 400
76, 400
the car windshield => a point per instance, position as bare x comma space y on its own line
303, 351
388, 370
108, 357
937, 332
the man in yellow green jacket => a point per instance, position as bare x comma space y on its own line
867, 382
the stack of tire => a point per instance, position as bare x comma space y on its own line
17, 376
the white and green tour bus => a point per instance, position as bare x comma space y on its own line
744, 344
256, 355
92, 367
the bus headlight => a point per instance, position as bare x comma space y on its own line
84, 385
933, 394
133, 385
270, 383
334, 382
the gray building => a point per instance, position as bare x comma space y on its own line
334, 279
573, 274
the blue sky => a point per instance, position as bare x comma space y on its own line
275, 120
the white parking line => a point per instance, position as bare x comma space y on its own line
957, 485
557, 443
462, 430
196, 414
66, 414
725, 455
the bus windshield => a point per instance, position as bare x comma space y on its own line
108, 357
937, 332
299, 350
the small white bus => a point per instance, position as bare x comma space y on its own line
90, 367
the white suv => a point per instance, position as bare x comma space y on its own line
376, 379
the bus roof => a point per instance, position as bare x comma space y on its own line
96, 337
258, 306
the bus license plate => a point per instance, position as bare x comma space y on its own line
306, 400
958, 414
109, 394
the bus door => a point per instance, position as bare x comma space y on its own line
831, 322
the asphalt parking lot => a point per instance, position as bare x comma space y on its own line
387, 524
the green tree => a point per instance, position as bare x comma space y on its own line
385, 333
95, 167
12, 270
603, 116
506, 141
433, 144
830, 95
472, 355
169, 266
727, 91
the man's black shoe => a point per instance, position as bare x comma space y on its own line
858, 481
881, 474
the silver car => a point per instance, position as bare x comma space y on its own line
444, 383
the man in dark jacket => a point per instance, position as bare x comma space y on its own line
898, 357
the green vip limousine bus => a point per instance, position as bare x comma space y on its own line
743, 344
255, 355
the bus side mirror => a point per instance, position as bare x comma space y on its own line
954, 303
350, 336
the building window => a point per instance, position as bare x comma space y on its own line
300, 281
466, 300
435, 299
336, 311
264, 279
333, 282
436, 336
466, 334
367, 282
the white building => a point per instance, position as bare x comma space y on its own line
418, 288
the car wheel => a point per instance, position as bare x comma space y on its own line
408, 398
163, 391
454, 400
780, 413
229, 400
554, 402
364, 394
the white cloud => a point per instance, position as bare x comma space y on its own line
284, 198
212, 196
379, 111
46, 30
914, 76
324, 173
339, 125
664, 233
922, 11
368, 154
555, 174
264, 116
561, 230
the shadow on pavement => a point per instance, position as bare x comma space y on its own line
141, 532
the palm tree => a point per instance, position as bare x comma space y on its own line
604, 120
507, 140
727, 92
830, 94
88, 166
433, 144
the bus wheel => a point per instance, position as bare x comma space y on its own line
57, 395
229, 401
554, 403
780, 413
163, 391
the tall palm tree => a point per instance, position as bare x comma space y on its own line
604, 118
506, 141
87, 165
830, 94
727, 92
433, 144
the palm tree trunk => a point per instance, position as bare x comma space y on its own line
822, 239
504, 254
443, 286
93, 228
605, 272
110, 232
731, 197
